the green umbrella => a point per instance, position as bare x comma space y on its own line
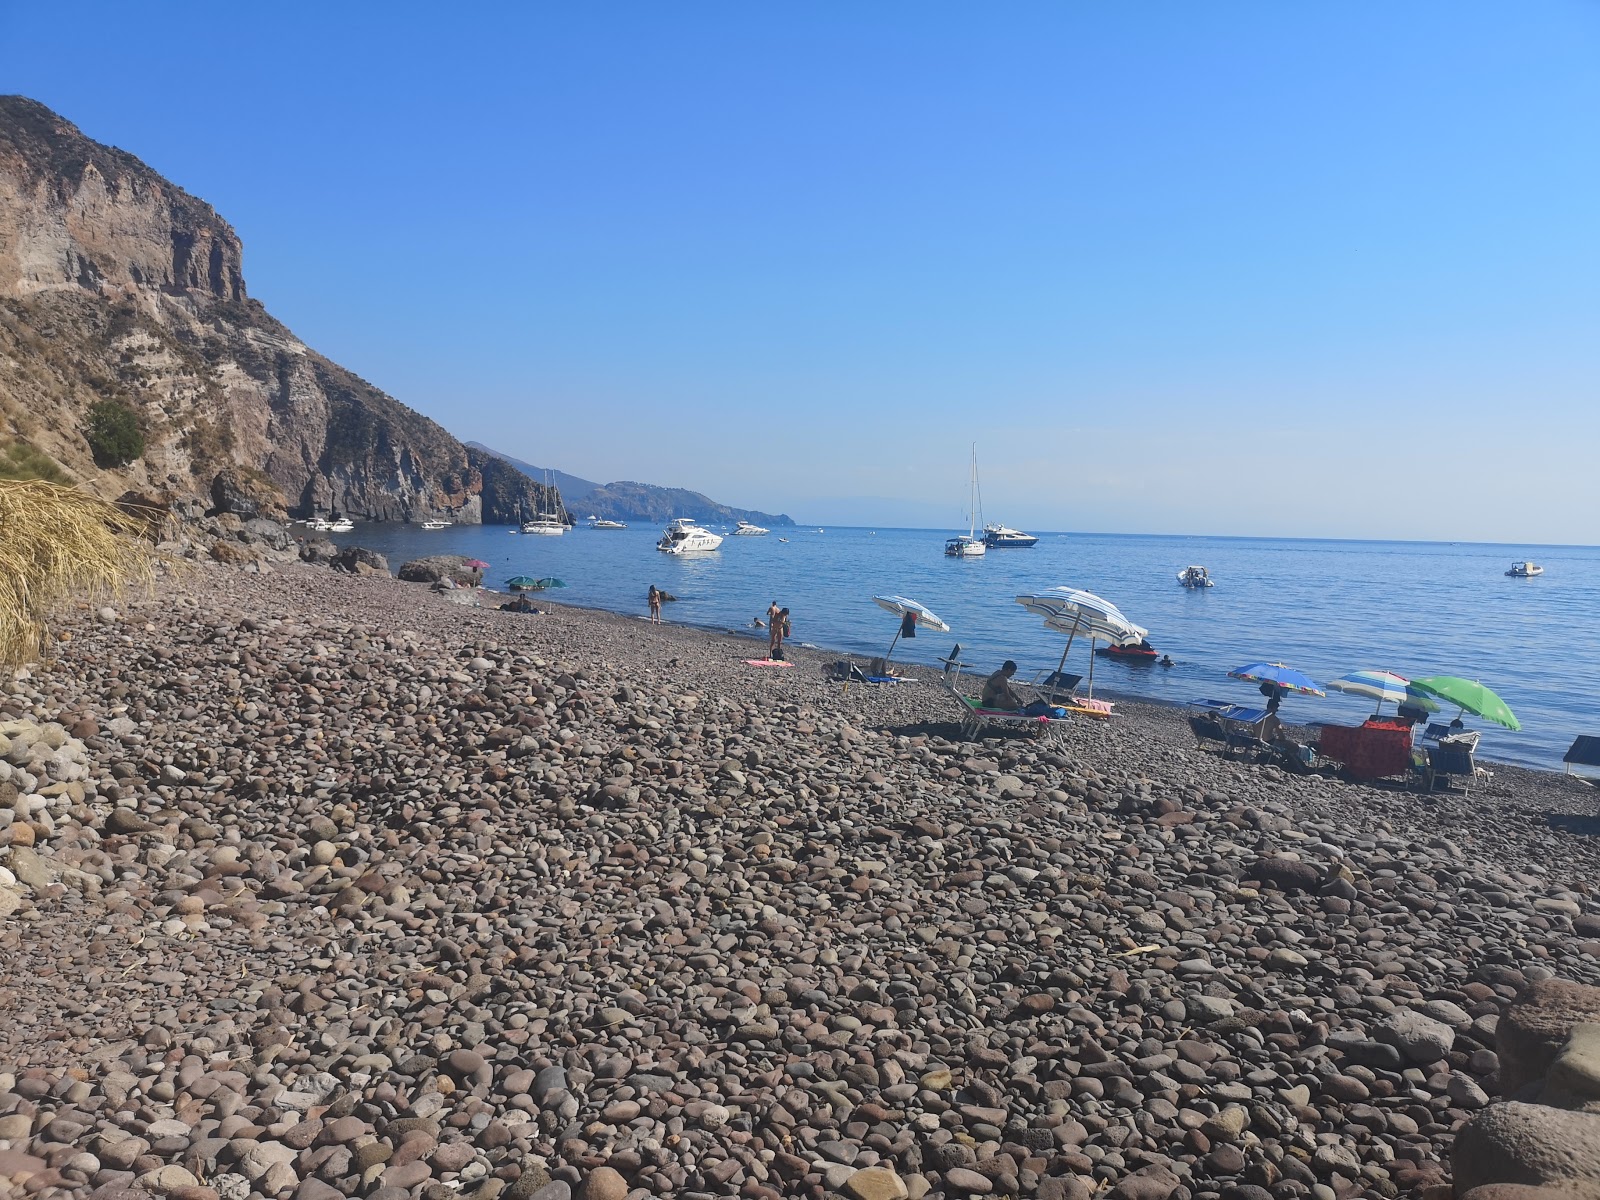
1469, 695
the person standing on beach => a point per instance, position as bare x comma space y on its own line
654, 598
777, 630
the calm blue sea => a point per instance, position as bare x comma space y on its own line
1325, 607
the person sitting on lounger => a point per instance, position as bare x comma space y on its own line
997, 690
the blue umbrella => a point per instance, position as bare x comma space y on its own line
1286, 678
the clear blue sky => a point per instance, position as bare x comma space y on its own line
1255, 268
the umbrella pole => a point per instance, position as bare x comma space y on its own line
892, 644
1091, 668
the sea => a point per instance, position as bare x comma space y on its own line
1324, 607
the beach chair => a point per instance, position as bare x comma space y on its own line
1056, 687
1452, 760
1208, 727
975, 718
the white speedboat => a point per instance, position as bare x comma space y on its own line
969, 544
1525, 570
601, 523
1004, 535
746, 529
437, 524
1194, 577
683, 536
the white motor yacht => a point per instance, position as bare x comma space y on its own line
437, 524
601, 523
1004, 535
1194, 577
746, 529
684, 536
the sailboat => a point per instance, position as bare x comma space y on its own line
548, 524
969, 544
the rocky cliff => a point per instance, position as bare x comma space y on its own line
116, 285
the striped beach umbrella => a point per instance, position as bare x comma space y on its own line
920, 614
1285, 678
1381, 686
1075, 613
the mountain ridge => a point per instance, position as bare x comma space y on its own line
627, 500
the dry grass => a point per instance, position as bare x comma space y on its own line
57, 544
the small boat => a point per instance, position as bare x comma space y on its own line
684, 536
1525, 570
783, 539
969, 544
996, 536
601, 523
341, 525
1194, 577
526, 583
333, 523
1141, 651
746, 529
437, 524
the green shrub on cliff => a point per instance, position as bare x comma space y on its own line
21, 460
114, 434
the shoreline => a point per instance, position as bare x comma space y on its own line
356, 890
925, 673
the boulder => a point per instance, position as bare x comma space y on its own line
260, 531
1536, 1028
440, 567
1528, 1144
358, 560
1421, 1039
1287, 874
233, 554
318, 550
1567, 1190
232, 492
1574, 1078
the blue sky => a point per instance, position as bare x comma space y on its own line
1229, 268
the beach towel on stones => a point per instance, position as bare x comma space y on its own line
768, 662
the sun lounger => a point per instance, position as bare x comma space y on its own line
974, 717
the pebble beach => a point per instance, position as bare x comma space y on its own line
320, 885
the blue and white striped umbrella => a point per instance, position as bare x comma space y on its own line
900, 606
1075, 612
1069, 602
1381, 686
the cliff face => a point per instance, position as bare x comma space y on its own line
118, 285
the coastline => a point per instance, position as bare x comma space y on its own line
572, 899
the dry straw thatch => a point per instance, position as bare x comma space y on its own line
57, 544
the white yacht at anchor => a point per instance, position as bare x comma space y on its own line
684, 536
746, 529
602, 523
1004, 535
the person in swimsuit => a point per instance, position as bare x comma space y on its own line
654, 597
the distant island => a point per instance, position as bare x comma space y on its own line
629, 501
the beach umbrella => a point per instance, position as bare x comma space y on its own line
478, 563
1381, 686
1284, 678
1470, 696
1075, 613
911, 615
